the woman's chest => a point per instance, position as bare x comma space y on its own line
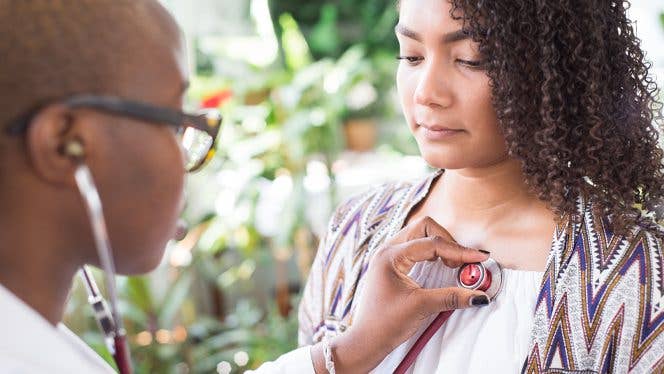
522, 250
519, 240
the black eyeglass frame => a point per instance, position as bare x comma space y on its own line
136, 110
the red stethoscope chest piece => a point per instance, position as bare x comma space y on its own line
485, 276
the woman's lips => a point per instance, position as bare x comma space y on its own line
436, 133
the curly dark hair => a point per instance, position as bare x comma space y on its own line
575, 102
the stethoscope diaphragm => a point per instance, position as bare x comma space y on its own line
485, 276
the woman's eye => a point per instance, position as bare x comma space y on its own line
473, 64
411, 60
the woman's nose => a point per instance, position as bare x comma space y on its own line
433, 87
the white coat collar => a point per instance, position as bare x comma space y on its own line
29, 343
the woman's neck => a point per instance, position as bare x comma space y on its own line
483, 194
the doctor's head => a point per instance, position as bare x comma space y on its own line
561, 87
109, 75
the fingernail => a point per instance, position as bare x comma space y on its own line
485, 252
479, 300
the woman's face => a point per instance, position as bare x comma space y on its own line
444, 90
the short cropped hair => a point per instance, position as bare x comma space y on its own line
51, 49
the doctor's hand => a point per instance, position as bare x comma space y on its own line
392, 306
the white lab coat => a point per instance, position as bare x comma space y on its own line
30, 344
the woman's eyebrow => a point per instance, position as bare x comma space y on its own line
405, 31
450, 37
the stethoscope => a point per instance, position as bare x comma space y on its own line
108, 319
484, 276
115, 337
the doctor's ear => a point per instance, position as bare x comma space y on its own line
54, 145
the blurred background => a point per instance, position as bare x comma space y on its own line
311, 117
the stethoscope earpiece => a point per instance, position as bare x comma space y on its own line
74, 149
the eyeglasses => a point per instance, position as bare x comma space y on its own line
198, 132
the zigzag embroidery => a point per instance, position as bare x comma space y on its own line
348, 224
608, 243
558, 344
533, 362
595, 296
358, 262
650, 326
568, 248
609, 351
547, 291
559, 339
336, 294
595, 299
363, 221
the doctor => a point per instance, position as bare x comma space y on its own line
93, 88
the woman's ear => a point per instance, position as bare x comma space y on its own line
53, 147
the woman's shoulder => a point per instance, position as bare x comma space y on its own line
363, 204
645, 246
636, 255
605, 276
379, 204
646, 232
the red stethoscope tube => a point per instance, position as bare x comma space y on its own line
122, 356
485, 276
115, 339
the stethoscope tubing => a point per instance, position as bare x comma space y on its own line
422, 341
109, 321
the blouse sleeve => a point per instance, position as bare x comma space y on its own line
311, 304
297, 361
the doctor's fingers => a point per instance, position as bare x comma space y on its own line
404, 256
436, 300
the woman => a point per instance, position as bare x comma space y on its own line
539, 117
89, 114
